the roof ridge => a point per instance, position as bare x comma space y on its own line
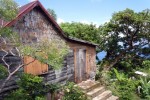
28, 3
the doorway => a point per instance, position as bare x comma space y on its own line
80, 65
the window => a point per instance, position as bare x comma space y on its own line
36, 67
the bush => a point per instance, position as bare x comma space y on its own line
72, 92
30, 88
124, 87
53, 88
144, 88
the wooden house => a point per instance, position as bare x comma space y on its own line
34, 21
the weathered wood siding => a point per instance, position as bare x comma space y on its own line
90, 59
34, 26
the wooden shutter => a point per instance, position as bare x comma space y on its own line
36, 67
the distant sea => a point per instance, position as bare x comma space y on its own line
101, 55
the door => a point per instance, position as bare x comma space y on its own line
80, 65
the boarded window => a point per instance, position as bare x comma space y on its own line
36, 67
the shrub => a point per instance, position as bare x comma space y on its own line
72, 92
52, 88
30, 88
124, 87
144, 88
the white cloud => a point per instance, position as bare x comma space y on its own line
59, 21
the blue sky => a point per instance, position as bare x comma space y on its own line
89, 11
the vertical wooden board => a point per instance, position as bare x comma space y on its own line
87, 64
28, 68
31, 66
37, 67
82, 63
44, 68
77, 67
24, 61
75, 79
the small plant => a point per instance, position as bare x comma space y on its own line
119, 76
72, 92
52, 88
144, 88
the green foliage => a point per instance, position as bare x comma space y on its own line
8, 9
5, 32
81, 31
52, 13
146, 64
53, 87
119, 76
30, 87
123, 87
46, 51
3, 72
30, 82
72, 92
144, 87
40, 98
126, 37
144, 67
